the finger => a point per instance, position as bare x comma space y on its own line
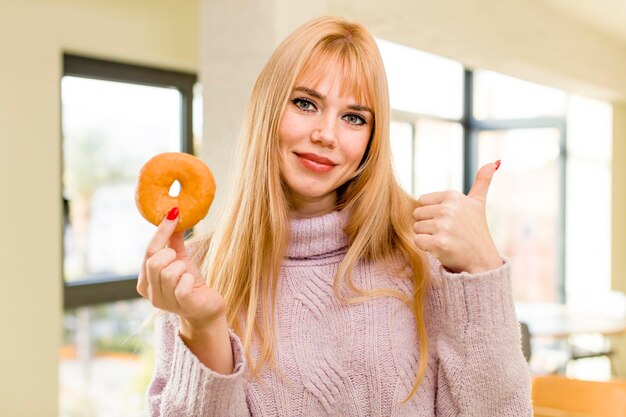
423, 242
142, 280
184, 288
163, 233
439, 197
142, 283
427, 227
170, 275
431, 198
426, 212
154, 265
483, 181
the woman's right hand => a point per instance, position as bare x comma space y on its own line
173, 282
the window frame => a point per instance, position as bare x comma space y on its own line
119, 288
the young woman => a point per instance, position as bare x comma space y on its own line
327, 290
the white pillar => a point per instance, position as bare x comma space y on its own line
236, 40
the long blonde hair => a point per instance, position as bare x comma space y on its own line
244, 256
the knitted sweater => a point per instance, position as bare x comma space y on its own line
361, 359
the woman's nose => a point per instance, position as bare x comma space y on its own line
324, 133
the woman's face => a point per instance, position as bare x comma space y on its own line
322, 136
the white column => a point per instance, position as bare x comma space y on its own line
236, 40
618, 270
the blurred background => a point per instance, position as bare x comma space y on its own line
89, 90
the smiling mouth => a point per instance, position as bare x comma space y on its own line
316, 158
315, 163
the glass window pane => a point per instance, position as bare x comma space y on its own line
498, 96
438, 156
523, 207
110, 130
588, 221
422, 83
106, 360
402, 154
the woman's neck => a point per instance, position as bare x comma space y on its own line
304, 208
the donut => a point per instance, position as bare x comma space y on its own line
197, 189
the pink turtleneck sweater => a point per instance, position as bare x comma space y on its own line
359, 360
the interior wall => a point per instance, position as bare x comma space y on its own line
33, 36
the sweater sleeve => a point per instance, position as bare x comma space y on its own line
182, 386
481, 368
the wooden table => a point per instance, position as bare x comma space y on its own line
560, 322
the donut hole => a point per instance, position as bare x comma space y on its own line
174, 189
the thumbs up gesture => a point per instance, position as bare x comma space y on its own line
453, 226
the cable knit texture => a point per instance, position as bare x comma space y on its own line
359, 360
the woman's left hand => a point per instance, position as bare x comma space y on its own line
453, 226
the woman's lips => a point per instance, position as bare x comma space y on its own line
315, 163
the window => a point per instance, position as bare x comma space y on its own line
588, 197
114, 118
448, 121
426, 95
523, 124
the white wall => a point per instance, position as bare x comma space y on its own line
619, 200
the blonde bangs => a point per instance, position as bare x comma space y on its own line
354, 76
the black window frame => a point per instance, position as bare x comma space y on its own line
120, 288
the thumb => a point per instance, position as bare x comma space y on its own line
483, 181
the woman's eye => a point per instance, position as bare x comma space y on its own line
355, 119
303, 104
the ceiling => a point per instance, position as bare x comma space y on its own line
608, 16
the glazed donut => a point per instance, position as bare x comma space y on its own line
197, 189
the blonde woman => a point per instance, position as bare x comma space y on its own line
327, 290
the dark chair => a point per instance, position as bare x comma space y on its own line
526, 347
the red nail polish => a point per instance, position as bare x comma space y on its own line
172, 214
497, 164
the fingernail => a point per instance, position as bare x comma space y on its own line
172, 214
498, 164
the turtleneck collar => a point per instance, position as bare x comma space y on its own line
318, 237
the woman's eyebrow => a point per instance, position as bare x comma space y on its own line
320, 96
311, 92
